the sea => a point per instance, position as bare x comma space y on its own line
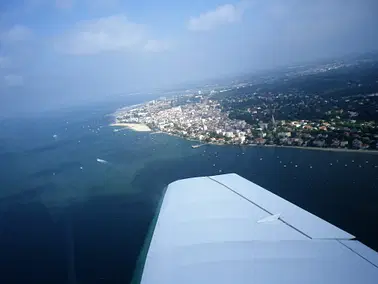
65, 217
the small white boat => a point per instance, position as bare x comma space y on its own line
197, 146
101, 161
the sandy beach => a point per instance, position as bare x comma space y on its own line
133, 126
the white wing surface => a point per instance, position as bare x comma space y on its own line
226, 229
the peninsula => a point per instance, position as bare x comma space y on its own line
296, 110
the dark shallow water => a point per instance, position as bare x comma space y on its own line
63, 224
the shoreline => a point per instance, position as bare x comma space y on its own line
133, 126
345, 150
374, 152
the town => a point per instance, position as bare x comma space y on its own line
328, 106
206, 119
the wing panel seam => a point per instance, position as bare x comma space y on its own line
357, 254
262, 208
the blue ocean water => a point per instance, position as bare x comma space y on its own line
66, 218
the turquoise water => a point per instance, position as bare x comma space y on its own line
65, 218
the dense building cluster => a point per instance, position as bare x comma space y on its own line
209, 120
202, 121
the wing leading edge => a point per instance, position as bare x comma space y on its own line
226, 229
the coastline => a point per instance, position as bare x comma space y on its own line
133, 126
374, 152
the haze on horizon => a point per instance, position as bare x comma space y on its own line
59, 53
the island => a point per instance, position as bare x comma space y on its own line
318, 108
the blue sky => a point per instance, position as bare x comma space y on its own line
69, 51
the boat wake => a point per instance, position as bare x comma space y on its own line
101, 161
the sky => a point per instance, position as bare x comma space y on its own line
63, 52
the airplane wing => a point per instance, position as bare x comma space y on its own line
226, 229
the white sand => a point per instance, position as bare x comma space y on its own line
133, 126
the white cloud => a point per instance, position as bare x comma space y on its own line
13, 80
225, 14
114, 33
156, 46
16, 33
